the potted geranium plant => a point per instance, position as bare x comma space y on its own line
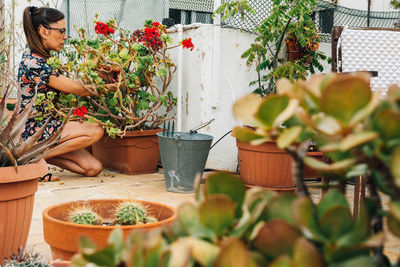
288, 22
130, 74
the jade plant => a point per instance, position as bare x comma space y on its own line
288, 21
128, 73
229, 226
358, 130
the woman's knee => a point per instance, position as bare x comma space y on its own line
93, 169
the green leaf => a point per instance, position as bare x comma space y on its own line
233, 254
305, 254
142, 105
217, 212
363, 261
327, 125
394, 225
280, 208
103, 257
271, 108
289, 136
188, 218
245, 109
387, 124
305, 217
337, 167
276, 237
282, 261
336, 222
331, 199
344, 96
124, 53
353, 140
229, 185
202, 251
247, 135
395, 165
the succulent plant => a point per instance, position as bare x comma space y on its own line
15, 151
356, 128
84, 215
25, 259
132, 212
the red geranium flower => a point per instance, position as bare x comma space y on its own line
156, 24
80, 111
187, 43
103, 28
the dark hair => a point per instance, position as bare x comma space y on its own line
33, 17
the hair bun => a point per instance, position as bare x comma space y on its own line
32, 9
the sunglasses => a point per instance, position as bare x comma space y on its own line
60, 30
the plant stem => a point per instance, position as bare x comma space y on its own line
298, 167
378, 223
278, 50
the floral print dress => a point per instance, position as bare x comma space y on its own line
34, 71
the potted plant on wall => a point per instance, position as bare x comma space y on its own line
267, 165
22, 165
130, 74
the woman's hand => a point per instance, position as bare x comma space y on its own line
70, 86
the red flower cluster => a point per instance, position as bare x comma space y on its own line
80, 111
187, 43
156, 24
152, 37
103, 28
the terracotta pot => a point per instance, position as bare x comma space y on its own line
58, 263
266, 166
18, 186
135, 153
63, 236
295, 51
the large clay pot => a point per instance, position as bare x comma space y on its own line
270, 167
135, 153
18, 186
265, 166
63, 236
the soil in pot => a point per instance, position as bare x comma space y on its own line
63, 236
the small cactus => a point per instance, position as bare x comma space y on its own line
84, 216
151, 219
129, 213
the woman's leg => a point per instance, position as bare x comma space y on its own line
79, 161
77, 135
70, 155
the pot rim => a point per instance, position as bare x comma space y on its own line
171, 219
24, 172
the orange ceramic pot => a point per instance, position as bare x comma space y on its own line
265, 166
135, 153
63, 236
18, 186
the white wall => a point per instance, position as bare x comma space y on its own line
198, 96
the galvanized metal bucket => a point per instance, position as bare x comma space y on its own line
183, 155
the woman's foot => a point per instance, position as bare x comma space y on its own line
49, 178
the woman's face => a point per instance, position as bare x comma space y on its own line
53, 37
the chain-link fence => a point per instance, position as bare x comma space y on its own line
129, 14
326, 16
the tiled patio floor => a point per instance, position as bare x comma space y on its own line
115, 185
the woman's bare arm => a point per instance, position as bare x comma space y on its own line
68, 85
